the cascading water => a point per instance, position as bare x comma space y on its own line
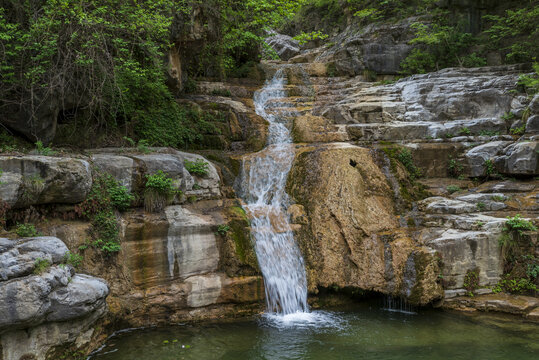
263, 189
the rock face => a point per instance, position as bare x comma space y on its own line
348, 239
284, 45
32, 180
36, 301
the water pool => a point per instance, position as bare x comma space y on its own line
363, 331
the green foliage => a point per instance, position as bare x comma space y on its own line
530, 83
455, 168
41, 265
471, 280
26, 230
159, 191
516, 32
489, 133
304, 38
198, 167
73, 259
519, 225
120, 197
221, 92
103, 55
481, 206
222, 229
418, 62
465, 131
508, 116
489, 168
532, 271
498, 198
405, 158
515, 286
520, 130
44, 150
106, 232
453, 189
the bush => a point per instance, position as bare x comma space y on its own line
418, 62
73, 259
106, 232
304, 38
453, 189
41, 265
198, 167
455, 168
471, 280
519, 225
530, 83
44, 150
26, 230
159, 191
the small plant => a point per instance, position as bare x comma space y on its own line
489, 133
143, 146
471, 280
479, 224
465, 131
489, 168
198, 167
196, 186
515, 286
192, 199
130, 141
304, 38
73, 259
106, 232
222, 229
44, 150
120, 197
518, 130
481, 206
453, 189
532, 271
159, 191
41, 265
498, 198
32, 186
405, 158
454, 168
508, 116
221, 92
449, 136
26, 230
519, 225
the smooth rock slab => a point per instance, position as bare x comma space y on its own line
512, 304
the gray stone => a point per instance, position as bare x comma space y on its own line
285, 46
519, 159
441, 205
534, 105
532, 126
477, 156
44, 180
120, 167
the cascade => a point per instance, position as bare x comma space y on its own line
263, 189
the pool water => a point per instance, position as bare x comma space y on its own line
363, 331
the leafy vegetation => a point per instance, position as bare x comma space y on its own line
41, 265
453, 189
73, 259
455, 168
304, 38
26, 230
471, 280
44, 150
198, 167
519, 225
159, 191
105, 196
223, 229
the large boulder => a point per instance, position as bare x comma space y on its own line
519, 159
285, 46
478, 156
39, 294
31, 180
350, 237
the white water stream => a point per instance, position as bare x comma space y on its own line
263, 189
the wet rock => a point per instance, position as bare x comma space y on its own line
441, 205
512, 304
44, 180
534, 105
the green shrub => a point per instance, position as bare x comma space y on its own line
489, 168
41, 265
106, 232
455, 168
471, 280
515, 286
159, 191
498, 198
519, 225
465, 131
73, 259
106, 193
530, 83
198, 167
518, 130
418, 62
26, 230
44, 150
405, 158
453, 189
481, 206
221, 92
489, 133
304, 38
222, 229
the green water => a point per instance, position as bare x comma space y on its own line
361, 332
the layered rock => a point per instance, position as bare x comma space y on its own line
44, 303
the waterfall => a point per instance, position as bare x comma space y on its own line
263, 189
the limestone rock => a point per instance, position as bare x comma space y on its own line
520, 159
348, 240
480, 154
512, 304
44, 180
532, 125
285, 46
534, 105
122, 168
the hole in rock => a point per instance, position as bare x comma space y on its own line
353, 163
